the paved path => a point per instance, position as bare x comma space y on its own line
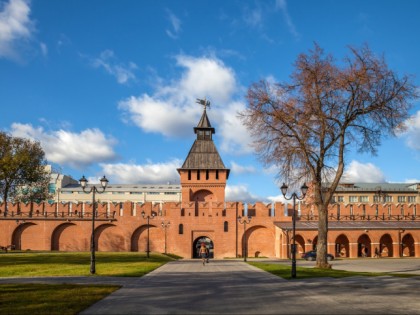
234, 287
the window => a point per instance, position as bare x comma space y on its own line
226, 226
364, 199
118, 193
207, 174
66, 192
198, 175
51, 188
353, 199
136, 193
182, 212
340, 198
170, 192
153, 193
401, 198
181, 229
388, 199
189, 174
412, 199
217, 174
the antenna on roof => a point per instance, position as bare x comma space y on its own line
203, 102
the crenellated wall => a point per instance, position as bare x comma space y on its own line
122, 227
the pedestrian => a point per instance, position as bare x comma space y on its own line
376, 252
203, 253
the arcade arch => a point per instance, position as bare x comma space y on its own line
342, 246
18, 240
385, 246
407, 246
139, 239
364, 246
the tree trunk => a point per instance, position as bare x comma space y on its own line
322, 244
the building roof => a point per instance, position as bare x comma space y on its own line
374, 187
129, 188
204, 123
352, 225
203, 154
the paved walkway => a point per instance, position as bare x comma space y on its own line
234, 287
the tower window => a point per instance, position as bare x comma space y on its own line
198, 175
189, 175
226, 226
181, 229
217, 174
207, 174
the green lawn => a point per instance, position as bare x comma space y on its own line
122, 264
65, 298
284, 271
50, 298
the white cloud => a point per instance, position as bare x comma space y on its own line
412, 134
239, 169
122, 72
15, 26
172, 110
363, 173
150, 173
240, 193
282, 5
44, 49
253, 17
175, 23
66, 148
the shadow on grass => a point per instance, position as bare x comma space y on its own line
306, 273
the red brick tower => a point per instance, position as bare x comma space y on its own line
203, 174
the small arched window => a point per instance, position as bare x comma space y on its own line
182, 212
181, 229
226, 226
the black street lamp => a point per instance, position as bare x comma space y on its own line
148, 226
83, 182
165, 225
304, 190
244, 221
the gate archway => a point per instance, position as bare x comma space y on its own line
197, 243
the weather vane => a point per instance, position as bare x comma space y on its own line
203, 102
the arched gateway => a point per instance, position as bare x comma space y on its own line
197, 243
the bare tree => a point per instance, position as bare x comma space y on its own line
306, 126
23, 176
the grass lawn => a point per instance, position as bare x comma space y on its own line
50, 298
121, 264
284, 271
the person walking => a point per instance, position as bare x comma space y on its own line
203, 253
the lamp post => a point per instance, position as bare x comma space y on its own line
83, 182
148, 235
294, 196
244, 221
165, 225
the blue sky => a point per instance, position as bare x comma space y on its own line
109, 87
